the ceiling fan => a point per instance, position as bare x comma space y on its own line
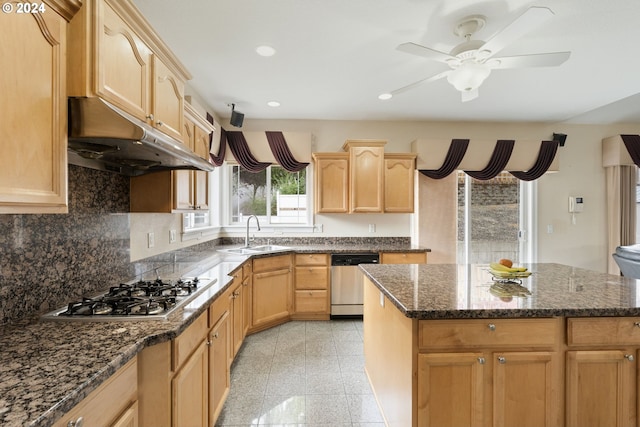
472, 61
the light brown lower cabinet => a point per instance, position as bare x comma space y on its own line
219, 373
312, 299
403, 258
189, 390
272, 292
113, 404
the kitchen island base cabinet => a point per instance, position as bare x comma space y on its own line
467, 372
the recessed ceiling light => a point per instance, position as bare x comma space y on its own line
273, 104
385, 96
265, 50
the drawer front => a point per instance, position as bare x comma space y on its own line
487, 333
246, 269
312, 259
403, 258
603, 331
312, 278
187, 341
312, 302
271, 263
220, 306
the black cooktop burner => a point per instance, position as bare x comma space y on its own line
142, 298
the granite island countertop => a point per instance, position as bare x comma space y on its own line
455, 291
47, 367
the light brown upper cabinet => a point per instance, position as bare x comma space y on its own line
364, 179
331, 182
33, 110
115, 54
179, 190
366, 174
399, 171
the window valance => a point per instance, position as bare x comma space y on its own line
255, 151
485, 159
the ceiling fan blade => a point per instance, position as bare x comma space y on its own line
469, 95
420, 82
529, 20
523, 61
425, 52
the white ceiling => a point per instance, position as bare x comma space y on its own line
334, 57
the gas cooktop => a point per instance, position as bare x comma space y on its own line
134, 301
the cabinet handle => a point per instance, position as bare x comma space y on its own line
159, 123
481, 360
150, 116
491, 327
208, 343
629, 357
215, 335
636, 324
502, 360
76, 423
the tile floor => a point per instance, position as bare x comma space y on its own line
305, 374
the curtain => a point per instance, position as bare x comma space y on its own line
219, 158
281, 152
456, 152
240, 150
621, 210
546, 155
499, 159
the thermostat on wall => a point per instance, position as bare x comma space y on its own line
576, 204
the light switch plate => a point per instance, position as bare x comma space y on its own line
151, 240
172, 236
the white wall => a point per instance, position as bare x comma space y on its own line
581, 174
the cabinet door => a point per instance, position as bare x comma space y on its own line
450, 389
601, 388
189, 390
168, 100
33, 113
122, 64
526, 389
398, 183
201, 178
129, 417
219, 378
246, 301
367, 179
237, 310
332, 183
271, 296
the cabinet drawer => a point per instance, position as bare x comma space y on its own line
486, 333
312, 259
219, 307
312, 302
403, 258
603, 331
187, 341
312, 277
271, 263
112, 398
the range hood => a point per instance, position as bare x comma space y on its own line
102, 136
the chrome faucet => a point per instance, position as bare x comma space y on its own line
246, 239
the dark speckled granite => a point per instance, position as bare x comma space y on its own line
449, 291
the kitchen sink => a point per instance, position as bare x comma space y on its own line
252, 250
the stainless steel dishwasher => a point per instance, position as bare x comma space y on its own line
346, 283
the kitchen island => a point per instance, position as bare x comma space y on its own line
445, 346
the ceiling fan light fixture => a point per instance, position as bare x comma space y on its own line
468, 76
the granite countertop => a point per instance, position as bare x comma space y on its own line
48, 366
450, 291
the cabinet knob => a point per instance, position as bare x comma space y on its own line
491, 327
481, 360
76, 423
215, 335
629, 357
208, 342
502, 360
150, 116
159, 123
636, 324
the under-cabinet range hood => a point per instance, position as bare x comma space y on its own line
102, 136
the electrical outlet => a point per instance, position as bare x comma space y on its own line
372, 228
151, 240
172, 236
317, 228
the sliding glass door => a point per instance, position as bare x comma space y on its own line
495, 219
